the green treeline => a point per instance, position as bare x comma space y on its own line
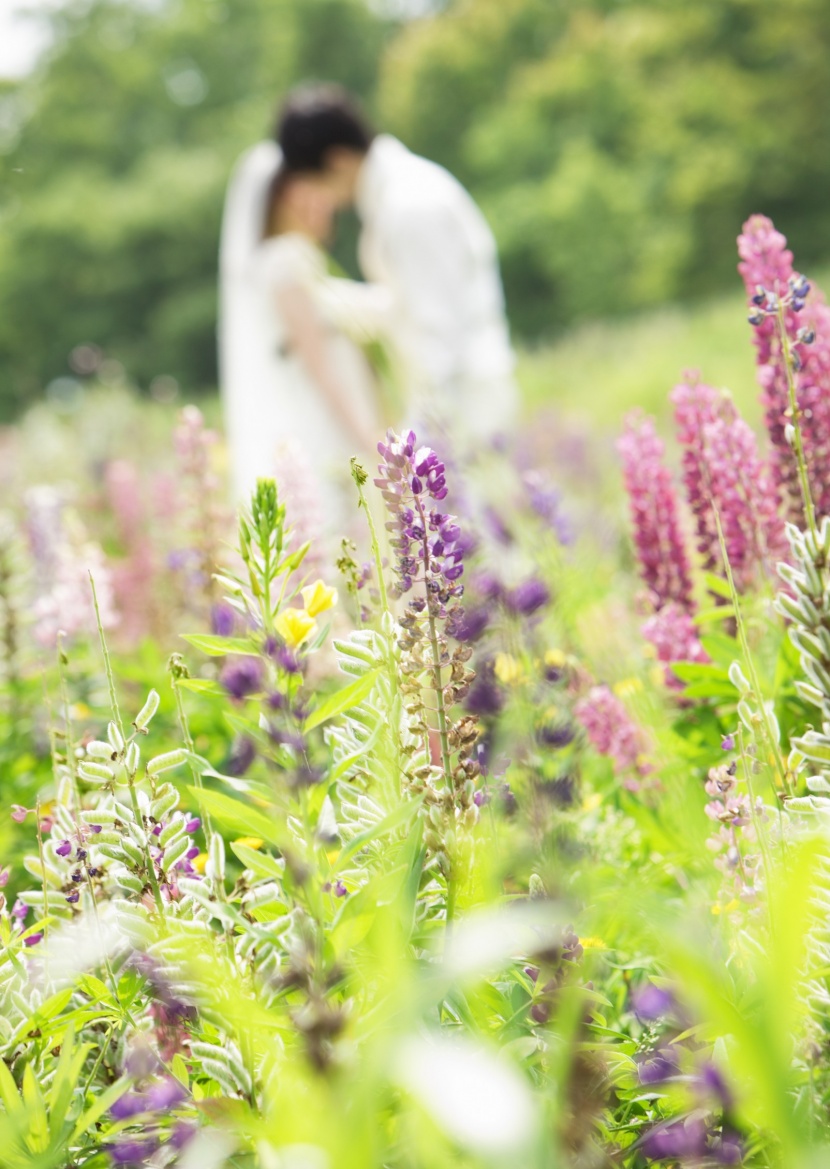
615, 145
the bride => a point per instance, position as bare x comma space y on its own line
295, 382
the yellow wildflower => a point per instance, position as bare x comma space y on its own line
249, 841
627, 687
591, 802
507, 669
592, 944
294, 626
199, 862
555, 658
728, 908
318, 597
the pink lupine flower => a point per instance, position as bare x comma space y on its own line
134, 577
722, 470
673, 634
64, 557
612, 731
767, 264
661, 549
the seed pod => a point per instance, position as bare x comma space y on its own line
100, 750
167, 761
166, 799
171, 831
736, 677
142, 719
175, 851
95, 773
265, 894
132, 758
99, 816
129, 881
216, 857
115, 737
131, 850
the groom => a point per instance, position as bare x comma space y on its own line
425, 240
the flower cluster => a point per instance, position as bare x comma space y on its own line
723, 473
612, 732
429, 554
674, 636
735, 815
792, 340
655, 515
64, 557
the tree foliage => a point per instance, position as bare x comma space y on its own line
116, 157
618, 146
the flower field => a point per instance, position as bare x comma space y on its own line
495, 835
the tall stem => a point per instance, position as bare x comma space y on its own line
795, 414
359, 476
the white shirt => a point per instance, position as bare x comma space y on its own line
426, 241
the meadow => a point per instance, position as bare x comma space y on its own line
494, 835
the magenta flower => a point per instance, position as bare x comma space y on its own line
33, 939
723, 472
673, 634
19, 813
767, 269
64, 848
659, 541
611, 730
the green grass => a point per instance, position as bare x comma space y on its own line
600, 371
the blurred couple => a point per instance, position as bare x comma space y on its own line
294, 339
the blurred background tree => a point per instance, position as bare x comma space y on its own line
615, 145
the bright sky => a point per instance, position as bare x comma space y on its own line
21, 37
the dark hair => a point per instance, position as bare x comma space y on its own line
318, 118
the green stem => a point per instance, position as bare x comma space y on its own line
748, 659
373, 537
151, 868
798, 444
116, 713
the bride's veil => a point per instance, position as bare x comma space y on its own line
243, 332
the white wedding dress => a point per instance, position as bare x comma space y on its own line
275, 416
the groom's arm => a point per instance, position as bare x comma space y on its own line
430, 263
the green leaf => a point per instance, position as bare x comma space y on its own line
219, 647
343, 700
399, 816
260, 863
199, 685
99, 1106
236, 816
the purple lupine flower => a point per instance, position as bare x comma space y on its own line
241, 677
33, 939
727, 743
193, 824
661, 549
167, 1093
712, 1080
19, 813
223, 619
340, 890
658, 1067
426, 540
673, 634
74, 897
5, 873
469, 625
652, 1002
677, 1139
611, 730
485, 696
182, 1132
131, 1153
64, 848
20, 911
723, 472
556, 735
241, 757
527, 597
546, 502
